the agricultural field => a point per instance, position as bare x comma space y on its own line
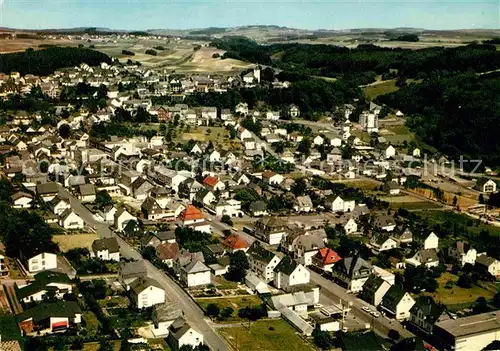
456, 295
397, 134
72, 241
373, 90
409, 202
275, 335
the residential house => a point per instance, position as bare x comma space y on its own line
374, 290
428, 258
47, 283
262, 261
182, 334
140, 188
128, 272
86, 193
167, 252
403, 237
196, 273
122, 217
156, 238
352, 272
70, 220
431, 241
235, 242
385, 222
258, 208
384, 274
272, 178
325, 259
49, 317
463, 253
486, 185
289, 273
231, 208
383, 242
106, 249
397, 303
146, 292
271, 230
163, 316
337, 204
205, 197
305, 247
47, 191
303, 204
21, 200
488, 264
425, 313
192, 218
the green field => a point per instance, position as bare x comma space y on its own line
234, 302
269, 335
470, 223
386, 87
456, 295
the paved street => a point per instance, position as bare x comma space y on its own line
333, 293
192, 312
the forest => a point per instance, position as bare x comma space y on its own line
458, 115
46, 61
366, 59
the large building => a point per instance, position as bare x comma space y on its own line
469, 333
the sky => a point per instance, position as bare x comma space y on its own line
306, 14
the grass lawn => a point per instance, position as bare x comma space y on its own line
259, 337
398, 134
234, 302
115, 301
457, 295
408, 202
94, 346
470, 223
372, 91
68, 242
363, 184
223, 284
9, 328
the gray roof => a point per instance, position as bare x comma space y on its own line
142, 283
195, 267
86, 189
287, 266
47, 188
480, 323
111, 244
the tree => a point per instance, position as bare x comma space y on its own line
213, 310
64, 131
103, 199
106, 345
393, 334
226, 219
238, 266
299, 187
226, 313
481, 305
149, 253
496, 300
322, 339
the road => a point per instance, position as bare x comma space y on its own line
192, 312
333, 293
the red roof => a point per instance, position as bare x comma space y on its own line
192, 213
235, 242
210, 181
167, 251
328, 256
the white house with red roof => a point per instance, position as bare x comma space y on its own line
193, 218
214, 184
325, 259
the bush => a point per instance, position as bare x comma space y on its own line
213, 310
226, 219
128, 53
151, 52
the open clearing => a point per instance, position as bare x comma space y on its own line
409, 202
457, 295
380, 88
471, 224
72, 241
234, 302
267, 335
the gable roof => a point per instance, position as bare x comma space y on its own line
142, 283
46, 310
429, 308
195, 267
211, 181
86, 189
352, 265
259, 253
42, 279
191, 213
392, 297
110, 244
287, 265
47, 188
328, 256
235, 242
167, 251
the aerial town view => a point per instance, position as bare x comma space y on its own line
249, 175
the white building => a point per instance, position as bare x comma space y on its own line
288, 273
196, 273
146, 292
70, 220
182, 334
106, 249
431, 241
262, 261
337, 204
42, 262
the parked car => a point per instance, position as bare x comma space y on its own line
366, 309
375, 314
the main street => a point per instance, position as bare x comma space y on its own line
333, 293
192, 312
